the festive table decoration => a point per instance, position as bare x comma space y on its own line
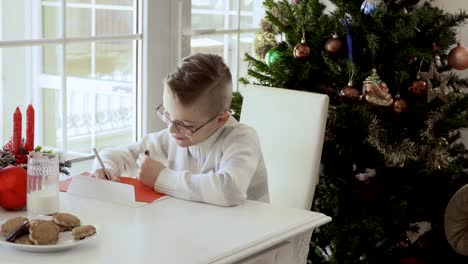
14, 159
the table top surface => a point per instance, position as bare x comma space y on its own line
172, 231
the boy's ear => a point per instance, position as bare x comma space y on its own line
223, 118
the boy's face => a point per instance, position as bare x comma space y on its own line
193, 118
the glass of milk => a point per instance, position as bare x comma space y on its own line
43, 183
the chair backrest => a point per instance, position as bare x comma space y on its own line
291, 127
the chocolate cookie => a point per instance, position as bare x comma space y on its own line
44, 233
24, 239
66, 220
83, 231
22, 229
11, 225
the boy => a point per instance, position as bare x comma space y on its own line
204, 155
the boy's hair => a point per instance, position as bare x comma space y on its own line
202, 75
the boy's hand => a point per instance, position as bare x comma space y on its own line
148, 170
99, 174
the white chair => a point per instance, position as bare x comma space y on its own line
291, 127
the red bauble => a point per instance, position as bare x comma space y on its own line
349, 93
458, 57
13, 181
301, 51
418, 87
400, 105
334, 45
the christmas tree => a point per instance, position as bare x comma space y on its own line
392, 157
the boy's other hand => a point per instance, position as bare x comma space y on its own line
99, 174
148, 170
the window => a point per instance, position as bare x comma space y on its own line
226, 28
92, 76
82, 78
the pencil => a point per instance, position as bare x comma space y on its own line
102, 164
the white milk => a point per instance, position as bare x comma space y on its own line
43, 202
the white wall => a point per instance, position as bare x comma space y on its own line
455, 6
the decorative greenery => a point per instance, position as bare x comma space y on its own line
236, 105
383, 171
8, 158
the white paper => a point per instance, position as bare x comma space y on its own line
103, 190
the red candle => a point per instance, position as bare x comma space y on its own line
16, 141
29, 144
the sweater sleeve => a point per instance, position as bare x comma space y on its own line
122, 160
225, 187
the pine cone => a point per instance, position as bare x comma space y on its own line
6, 158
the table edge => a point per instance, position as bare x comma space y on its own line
249, 249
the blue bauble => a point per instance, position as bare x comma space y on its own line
368, 7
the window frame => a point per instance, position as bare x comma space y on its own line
188, 33
163, 34
62, 41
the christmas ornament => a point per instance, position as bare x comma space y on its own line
350, 93
435, 53
365, 176
301, 51
438, 92
458, 57
403, 242
369, 7
334, 45
412, 260
349, 39
13, 188
375, 90
400, 105
418, 87
272, 56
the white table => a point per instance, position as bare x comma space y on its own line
172, 231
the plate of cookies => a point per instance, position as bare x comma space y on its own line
59, 232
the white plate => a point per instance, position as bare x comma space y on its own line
66, 241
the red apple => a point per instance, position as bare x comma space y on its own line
13, 181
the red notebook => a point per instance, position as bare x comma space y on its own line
142, 192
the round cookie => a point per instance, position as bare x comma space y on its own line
22, 229
61, 228
66, 220
11, 225
83, 231
44, 233
36, 221
24, 239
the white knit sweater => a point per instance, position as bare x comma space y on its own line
225, 169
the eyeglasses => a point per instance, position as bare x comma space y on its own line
181, 128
